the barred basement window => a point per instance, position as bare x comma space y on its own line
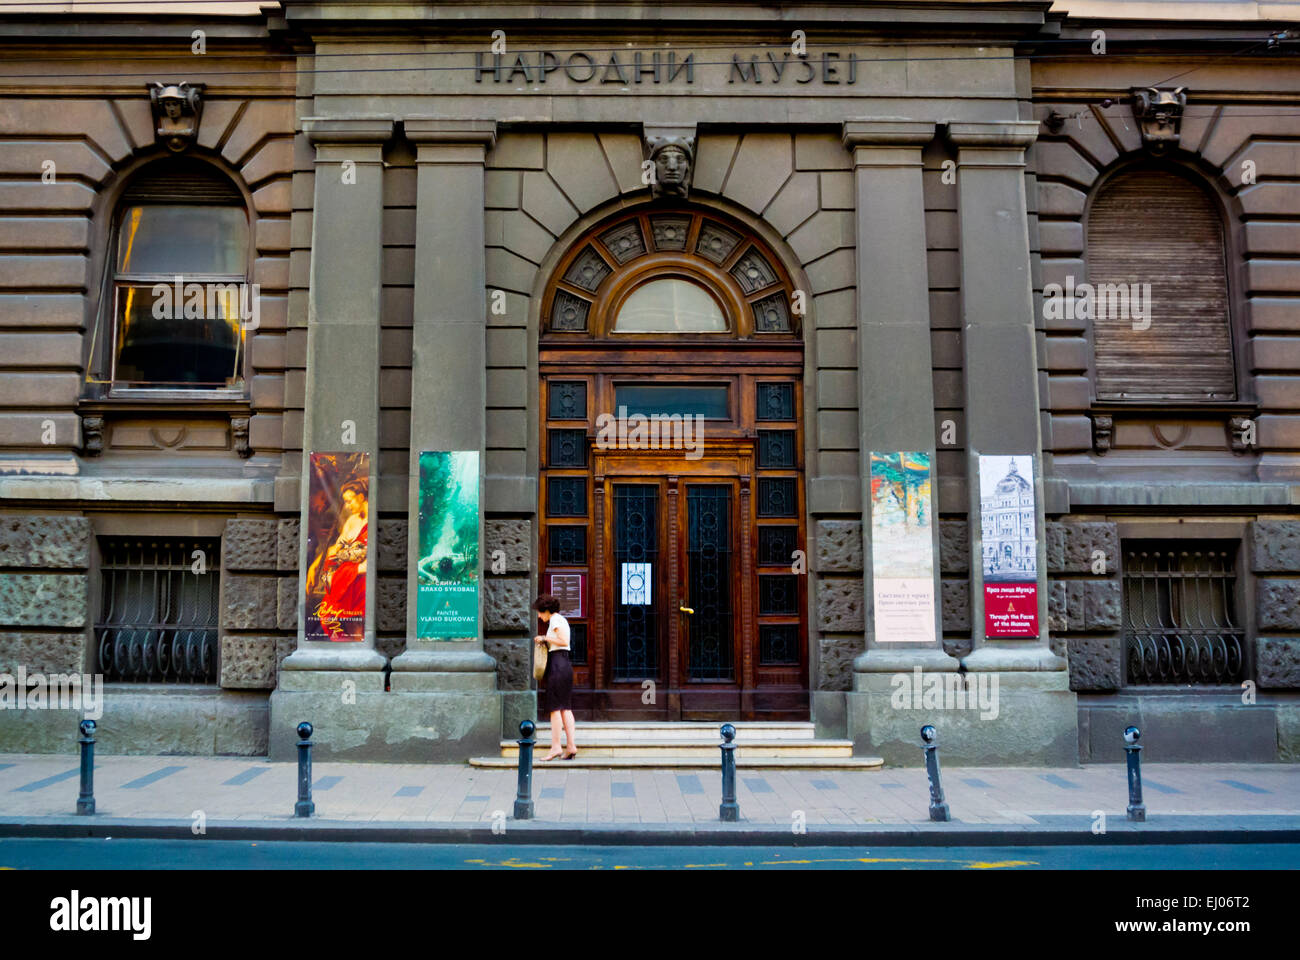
158, 615
1180, 612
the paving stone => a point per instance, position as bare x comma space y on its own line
250, 545
43, 599
839, 546
53, 542
840, 606
514, 538
249, 602
248, 662
42, 652
1277, 662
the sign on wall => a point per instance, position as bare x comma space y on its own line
337, 546
447, 584
571, 590
1010, 558
902, 547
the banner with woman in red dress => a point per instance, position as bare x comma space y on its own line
338, 546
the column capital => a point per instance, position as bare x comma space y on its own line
996, 134
360, 130
886, 133
449, 131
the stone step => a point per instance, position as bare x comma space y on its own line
690, 763
691, 731
680, 748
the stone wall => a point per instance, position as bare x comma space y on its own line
45, 616
1084, 601
1275, 561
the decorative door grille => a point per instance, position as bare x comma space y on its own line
708, 561
636, 545
158, 613
1181, 623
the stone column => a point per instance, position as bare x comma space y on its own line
455, 680
895, 396
1003, 417
333, 684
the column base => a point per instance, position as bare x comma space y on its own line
340, 657
444, 717
1004, 718
444, 661
894, 660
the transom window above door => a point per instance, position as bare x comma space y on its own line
670, 273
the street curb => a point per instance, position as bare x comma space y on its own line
1166, 830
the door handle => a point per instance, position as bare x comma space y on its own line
686, 609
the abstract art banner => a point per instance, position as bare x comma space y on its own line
337, 546
902, 547
448, 568
1007, 525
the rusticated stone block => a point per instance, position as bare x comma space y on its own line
506, 602
392, 544
249, 602
1277, 662
1095, 663
286, 603
250, 544
514, 661
44, 599
45, 542
514, 538
1077, 547
839, 546
840, 606
286, 544
1278, 604
954, 597
954, 546
1276, 546
391, 614
284, 645
43, 652
958, 646
248, 663
835, 662
391, 646
1084, 606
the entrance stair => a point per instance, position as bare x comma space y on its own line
692, 744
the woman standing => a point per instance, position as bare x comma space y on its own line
558, 678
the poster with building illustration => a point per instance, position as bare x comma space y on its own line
338, 524
902, 547
1010, 546
447, 586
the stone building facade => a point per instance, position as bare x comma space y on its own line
899, 218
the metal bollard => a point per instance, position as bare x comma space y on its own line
729, 809
304, 807
1137, 810
524, 793
938, 806
86, 802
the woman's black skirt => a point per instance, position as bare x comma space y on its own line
558, 682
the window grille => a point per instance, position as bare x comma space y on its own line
158, 610
1181, 619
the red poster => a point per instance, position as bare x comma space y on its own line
1010, 609
337, 546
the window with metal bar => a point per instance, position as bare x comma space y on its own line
1180, 612
158, 612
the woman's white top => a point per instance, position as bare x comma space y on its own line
557, 633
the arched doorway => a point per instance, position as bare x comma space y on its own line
672, 525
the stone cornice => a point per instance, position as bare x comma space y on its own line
450, 131
357, 130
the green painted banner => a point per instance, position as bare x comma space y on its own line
448, 585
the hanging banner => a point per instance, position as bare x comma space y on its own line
337, 546
902, 548
446, 606
1007, 526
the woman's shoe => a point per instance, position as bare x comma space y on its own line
551, 756
569, 756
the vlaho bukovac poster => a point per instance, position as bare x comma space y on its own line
337, 546
448, 566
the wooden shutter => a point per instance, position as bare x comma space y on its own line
1153, 226
181, 180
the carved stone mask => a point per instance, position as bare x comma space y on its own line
672, 160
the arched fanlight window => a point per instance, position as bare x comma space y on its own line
179, 297
662, 272
1156, 267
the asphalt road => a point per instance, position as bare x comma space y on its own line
203, 854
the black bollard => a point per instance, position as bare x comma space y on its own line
524, 793
86, 802
304, 807
938, 806
1137, 810
729, 809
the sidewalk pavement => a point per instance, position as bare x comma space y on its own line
239, 798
